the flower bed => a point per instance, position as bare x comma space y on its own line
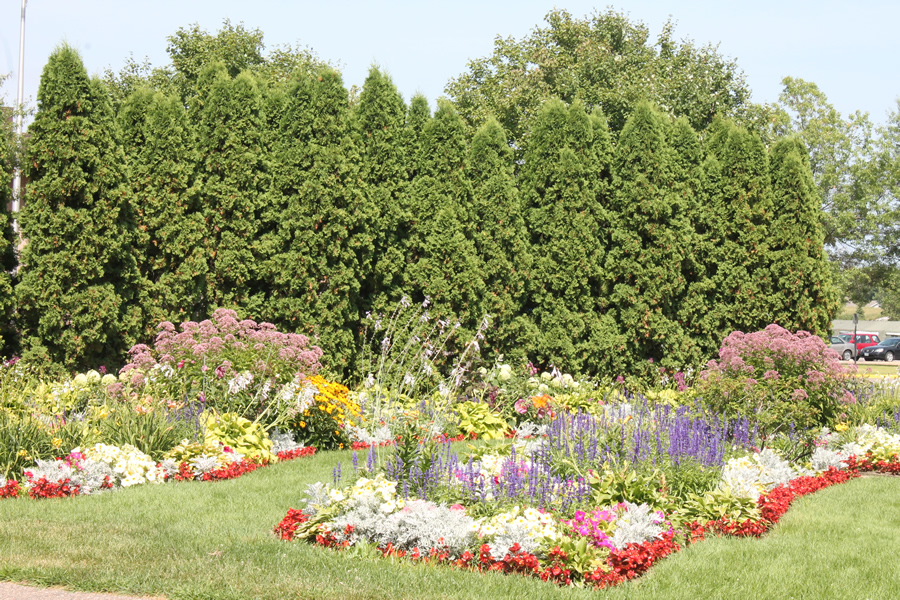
621, 564
77, 474
600, 546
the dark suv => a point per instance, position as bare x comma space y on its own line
886, 350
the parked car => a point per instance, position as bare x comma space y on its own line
886, 350
864, 340
844, 347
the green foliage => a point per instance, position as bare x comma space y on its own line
241, 435
563, 184
444, 264
7, 246
78, 288
500, 238
839, 160
648, 251
319, 220
613, 486
192, 48
717, 504
233, 182
161, 166
606, 61
146, 424
23, 440
477, 418
736, 233
380, 123
804, 296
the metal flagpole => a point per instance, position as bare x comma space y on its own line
17, 177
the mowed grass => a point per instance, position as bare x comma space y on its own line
214, 540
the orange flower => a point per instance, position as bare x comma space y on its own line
541, 401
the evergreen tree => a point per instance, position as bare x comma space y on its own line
690, 186
7, 247
234, 182
380, 120
737, 232
322, 240
418, 117
500, 237
161, 160
563, 186
445, 266
77, 293
804, 296
649, 243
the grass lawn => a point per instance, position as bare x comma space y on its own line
213, 540
869, 367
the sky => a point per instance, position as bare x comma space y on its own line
849, 49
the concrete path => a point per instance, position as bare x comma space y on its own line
15, 591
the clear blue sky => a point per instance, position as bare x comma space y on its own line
850, 49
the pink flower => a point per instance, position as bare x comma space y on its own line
521, 406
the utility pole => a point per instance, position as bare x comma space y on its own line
17, 176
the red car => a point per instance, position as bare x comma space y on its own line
864, 340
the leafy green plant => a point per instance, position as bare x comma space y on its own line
613, 486
150, 426
717, 504
23, 440
242, 435
476, 418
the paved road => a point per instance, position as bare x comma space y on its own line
14, 591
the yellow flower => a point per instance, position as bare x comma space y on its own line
57, 442
302, 423
23, 453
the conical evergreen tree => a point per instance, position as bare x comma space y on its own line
234, 181
804, 295
563, 185
316, 273
738, 233
690, 186
161, 159
501, 238
78, 286
7, 249
380, 120
444, 263
416, 119
649, 243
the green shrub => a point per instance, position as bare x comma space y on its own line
781, 379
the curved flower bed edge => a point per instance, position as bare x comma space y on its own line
624, 564
42, 488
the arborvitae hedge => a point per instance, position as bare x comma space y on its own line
696, 268
233, 185
564, 190
650, 240
804, 296
380, 122
500, 237
444, 264
77, 293
300, 205
324, 232
738, 236
7, 249
161, 167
